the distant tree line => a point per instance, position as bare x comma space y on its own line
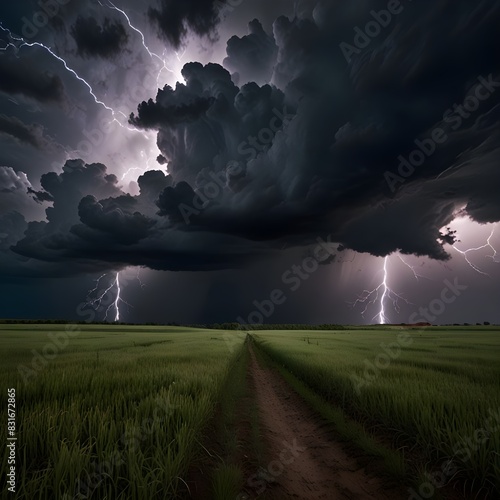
211, 326
273, 326
238, 326
66, 321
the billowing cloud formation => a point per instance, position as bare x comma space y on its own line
209, 121
93, 40
152, 115
11, 181
116, 217
375, 140
356, 120
253, 56
14, 193
152, 183
173, 18
112, 233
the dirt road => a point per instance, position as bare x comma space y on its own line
306, 462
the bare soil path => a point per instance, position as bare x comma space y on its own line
306, 461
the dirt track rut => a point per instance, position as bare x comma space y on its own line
306, 462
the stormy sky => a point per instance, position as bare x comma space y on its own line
314, 161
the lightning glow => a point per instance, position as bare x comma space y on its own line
24, 43
17, 43
53, 54
381, 315
138, 278
161, 59
118, 297
112, 6
97, 303
412, 268
487, 245
382, 295
153, 55
109, 297
134, 169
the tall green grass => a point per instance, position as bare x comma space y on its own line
117, 413
433, 398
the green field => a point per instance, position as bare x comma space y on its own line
435, 393
118, 412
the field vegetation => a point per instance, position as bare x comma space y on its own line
434, 392
122, 412
117, 413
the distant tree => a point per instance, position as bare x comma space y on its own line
486, 323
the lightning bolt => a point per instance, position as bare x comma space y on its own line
53, 54
17, 43
133, 169
494, 257
412, 268
489, 245
381, 315
138, 278
97, 302
97, 295
24, 43
118, 297
382, 294
129, 171
152, 54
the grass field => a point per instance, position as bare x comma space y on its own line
118, 412
435, 393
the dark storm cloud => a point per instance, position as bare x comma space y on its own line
42, 240
12, 227
17, 78
75, 182
15, 193
324, 172
40, 196
220, 120
89, 234
252, 57
32, 135
259, 167
150, 115
115, 217
11, 181
161, 160
172, 197
152, 183
301, 60
175, 19
13, 127
95, 40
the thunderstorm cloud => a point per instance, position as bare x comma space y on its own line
94, 40
303, 130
